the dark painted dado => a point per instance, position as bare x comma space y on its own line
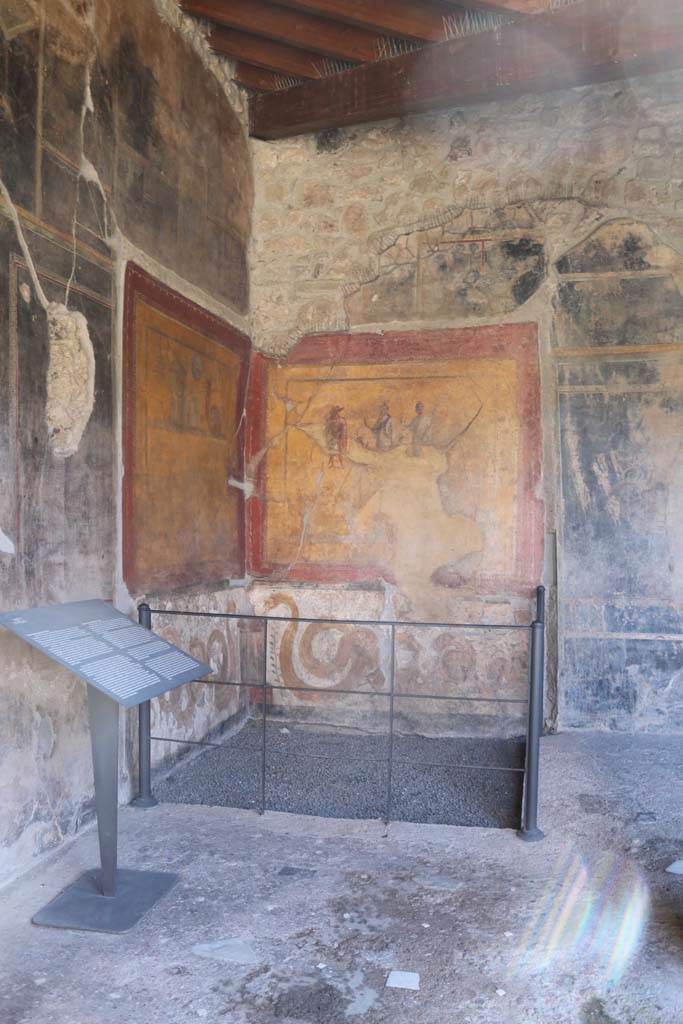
621, 434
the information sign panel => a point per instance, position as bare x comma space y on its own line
101, 645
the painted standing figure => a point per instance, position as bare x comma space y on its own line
419, 427
383, 429
336, 436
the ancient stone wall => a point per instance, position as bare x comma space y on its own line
562, 211
117, 137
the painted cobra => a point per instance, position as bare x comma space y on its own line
355, 661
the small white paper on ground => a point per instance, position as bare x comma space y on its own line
6, 545
676, 868
404, 979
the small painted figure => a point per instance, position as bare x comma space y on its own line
336, 436
419, 427
383, 430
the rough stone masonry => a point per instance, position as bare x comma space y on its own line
562, 210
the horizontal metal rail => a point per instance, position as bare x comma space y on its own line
534, 701
342, 622
398, 694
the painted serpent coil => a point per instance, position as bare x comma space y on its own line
354, 663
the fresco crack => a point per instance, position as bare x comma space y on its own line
453, 267
86, 106
522, 195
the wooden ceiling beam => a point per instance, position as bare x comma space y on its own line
331, 39
405, 18
259, 79
588, 41
504, 6
264, 53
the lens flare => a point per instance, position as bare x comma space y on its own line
593, 914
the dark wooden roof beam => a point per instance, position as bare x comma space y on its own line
264, 53
512, 7
406, 18
260, 79
577, 44
319, 35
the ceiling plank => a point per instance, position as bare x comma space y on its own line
576, 44
264, 53
510, 6
258, 79
420, 21
331, 39
504, 6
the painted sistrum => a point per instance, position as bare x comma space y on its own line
341, 517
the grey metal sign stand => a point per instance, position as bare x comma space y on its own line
123, 665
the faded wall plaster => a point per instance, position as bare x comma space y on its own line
489, 216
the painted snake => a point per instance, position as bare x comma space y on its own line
355, 662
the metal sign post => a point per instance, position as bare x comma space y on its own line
123, 665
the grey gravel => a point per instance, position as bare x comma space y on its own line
343, 774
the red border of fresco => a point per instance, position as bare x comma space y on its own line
141, 285
519, 341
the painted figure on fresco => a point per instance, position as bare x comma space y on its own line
428, 484
383, 430
336, 436
420, 429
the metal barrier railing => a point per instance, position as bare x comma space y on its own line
528, 830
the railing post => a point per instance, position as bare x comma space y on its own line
540, 604
264, 721
390, 753
145, 797
529, 829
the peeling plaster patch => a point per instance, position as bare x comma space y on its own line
580, 485
89, 173
391, 594
242, 485
602, 475
6, 545
70, 379
45, 737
